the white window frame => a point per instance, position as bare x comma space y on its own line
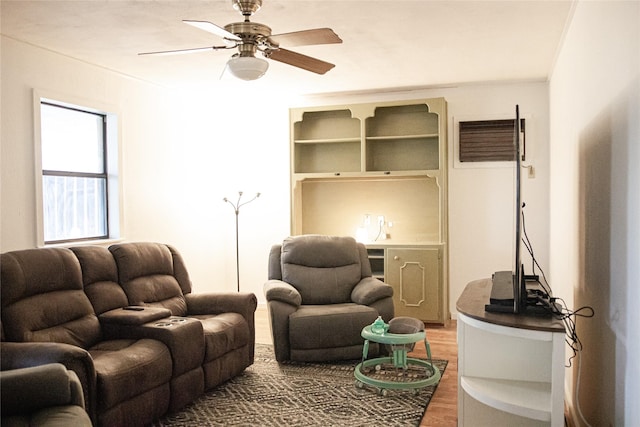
114, 186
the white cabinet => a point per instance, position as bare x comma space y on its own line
510, 367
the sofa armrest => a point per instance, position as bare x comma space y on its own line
75, 386
15, 355
244, 303
27, 390
277, 290
370, 290
133, 315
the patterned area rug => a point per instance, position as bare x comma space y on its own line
301, 394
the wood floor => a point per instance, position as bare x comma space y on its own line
443, 408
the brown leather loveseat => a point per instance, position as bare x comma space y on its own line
125, 321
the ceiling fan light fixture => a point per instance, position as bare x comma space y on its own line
247, 67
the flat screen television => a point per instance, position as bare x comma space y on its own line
509, 291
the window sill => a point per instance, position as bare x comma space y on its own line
97, 242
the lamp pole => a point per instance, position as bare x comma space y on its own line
236, 208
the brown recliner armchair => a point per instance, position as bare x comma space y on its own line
47, 395
320, 294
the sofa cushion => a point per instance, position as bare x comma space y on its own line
223, 333
128, 368
329, 326
324, 269
43, 298
100, 278
147, 275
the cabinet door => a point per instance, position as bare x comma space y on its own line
414, 275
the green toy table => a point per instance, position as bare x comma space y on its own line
395, 372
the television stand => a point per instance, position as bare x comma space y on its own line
510, 366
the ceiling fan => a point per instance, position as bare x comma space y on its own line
249, 37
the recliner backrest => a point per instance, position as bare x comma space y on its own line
100, 278
43, 298
152, 274
324, 269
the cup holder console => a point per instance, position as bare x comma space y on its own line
170, 322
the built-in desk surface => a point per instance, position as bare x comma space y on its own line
476, 295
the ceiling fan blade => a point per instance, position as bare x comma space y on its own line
299, 60
184, 51
213, 29
306, 37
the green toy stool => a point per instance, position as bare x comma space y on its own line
397, 371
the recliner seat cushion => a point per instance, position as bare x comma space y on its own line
128, 368
324, 269
223, 333
329, 326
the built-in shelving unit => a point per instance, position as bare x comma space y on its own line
383, 159
510, 367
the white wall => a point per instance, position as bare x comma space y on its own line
595, 205
25, 68
182, 153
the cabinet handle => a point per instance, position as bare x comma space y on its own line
396, 257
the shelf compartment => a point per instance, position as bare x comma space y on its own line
375, 253
523, 398
323, 157
402, 153
327, 125
376, 259
400, 120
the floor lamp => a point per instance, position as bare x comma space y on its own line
236, 207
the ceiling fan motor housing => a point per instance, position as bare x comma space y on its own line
249, 30
247, 7
252, 35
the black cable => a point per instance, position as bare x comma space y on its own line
379, 232
534, 262
557, 305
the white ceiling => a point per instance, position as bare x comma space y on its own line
386, 43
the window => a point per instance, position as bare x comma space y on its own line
75, 166
488, 140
